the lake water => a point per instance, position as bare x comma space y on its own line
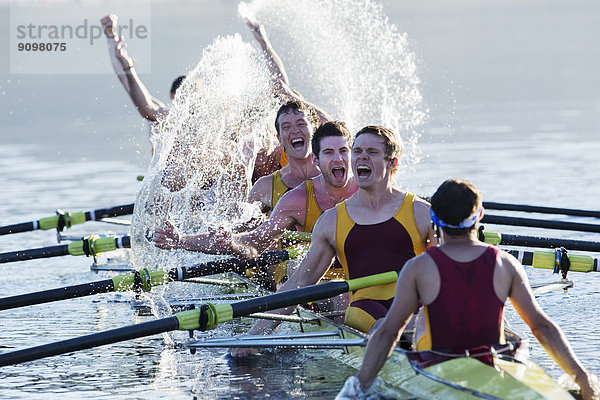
513, 96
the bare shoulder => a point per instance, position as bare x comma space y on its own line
261, 190
421, 206
293, 201
325, 226
509, 262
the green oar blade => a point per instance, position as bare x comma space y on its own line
90, 341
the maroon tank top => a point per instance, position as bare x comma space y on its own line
382, 247
466, 313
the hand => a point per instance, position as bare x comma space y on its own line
221, 238
109, 23
257, 29
239, 352
122, 56
590, 386
168, 238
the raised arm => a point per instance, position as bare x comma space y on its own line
550, 336
273, 60
148, 106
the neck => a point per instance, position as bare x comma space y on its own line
462, 240
332, 193
299, 170
378, 193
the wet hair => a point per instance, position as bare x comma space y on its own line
330, 128
297, 106
176, 83
392, 142
453, 202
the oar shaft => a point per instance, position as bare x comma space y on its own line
17, 228
67, 219
549, 243
289, 297
540, 223
48, 296
90, 341
539, 209
228, 265
30, 254
116, 211
88, 246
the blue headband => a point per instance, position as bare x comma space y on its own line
467, 223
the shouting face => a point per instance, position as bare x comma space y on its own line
295, 131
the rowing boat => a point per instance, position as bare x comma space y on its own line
425, 375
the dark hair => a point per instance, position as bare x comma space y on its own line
297, 106
176, 83
453, 202
330, 128
392, 142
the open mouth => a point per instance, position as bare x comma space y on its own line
338, 172
297, 143
362, 171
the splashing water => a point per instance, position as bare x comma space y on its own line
342, 55
205, 150
345, 56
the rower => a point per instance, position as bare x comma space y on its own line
147, 105
376, 230
463, 285
154, 110
298, 209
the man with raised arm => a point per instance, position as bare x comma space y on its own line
147, 105
376, 230
300, 208
462, 310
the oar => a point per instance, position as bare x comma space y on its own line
89, 246
67, 219
548, 260
496, 238
540, 223
207, 316
539, 209
145, 279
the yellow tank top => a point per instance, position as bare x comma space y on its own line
278, 188
313, 211
345, 224
283, 161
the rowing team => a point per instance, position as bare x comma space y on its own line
459, 287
